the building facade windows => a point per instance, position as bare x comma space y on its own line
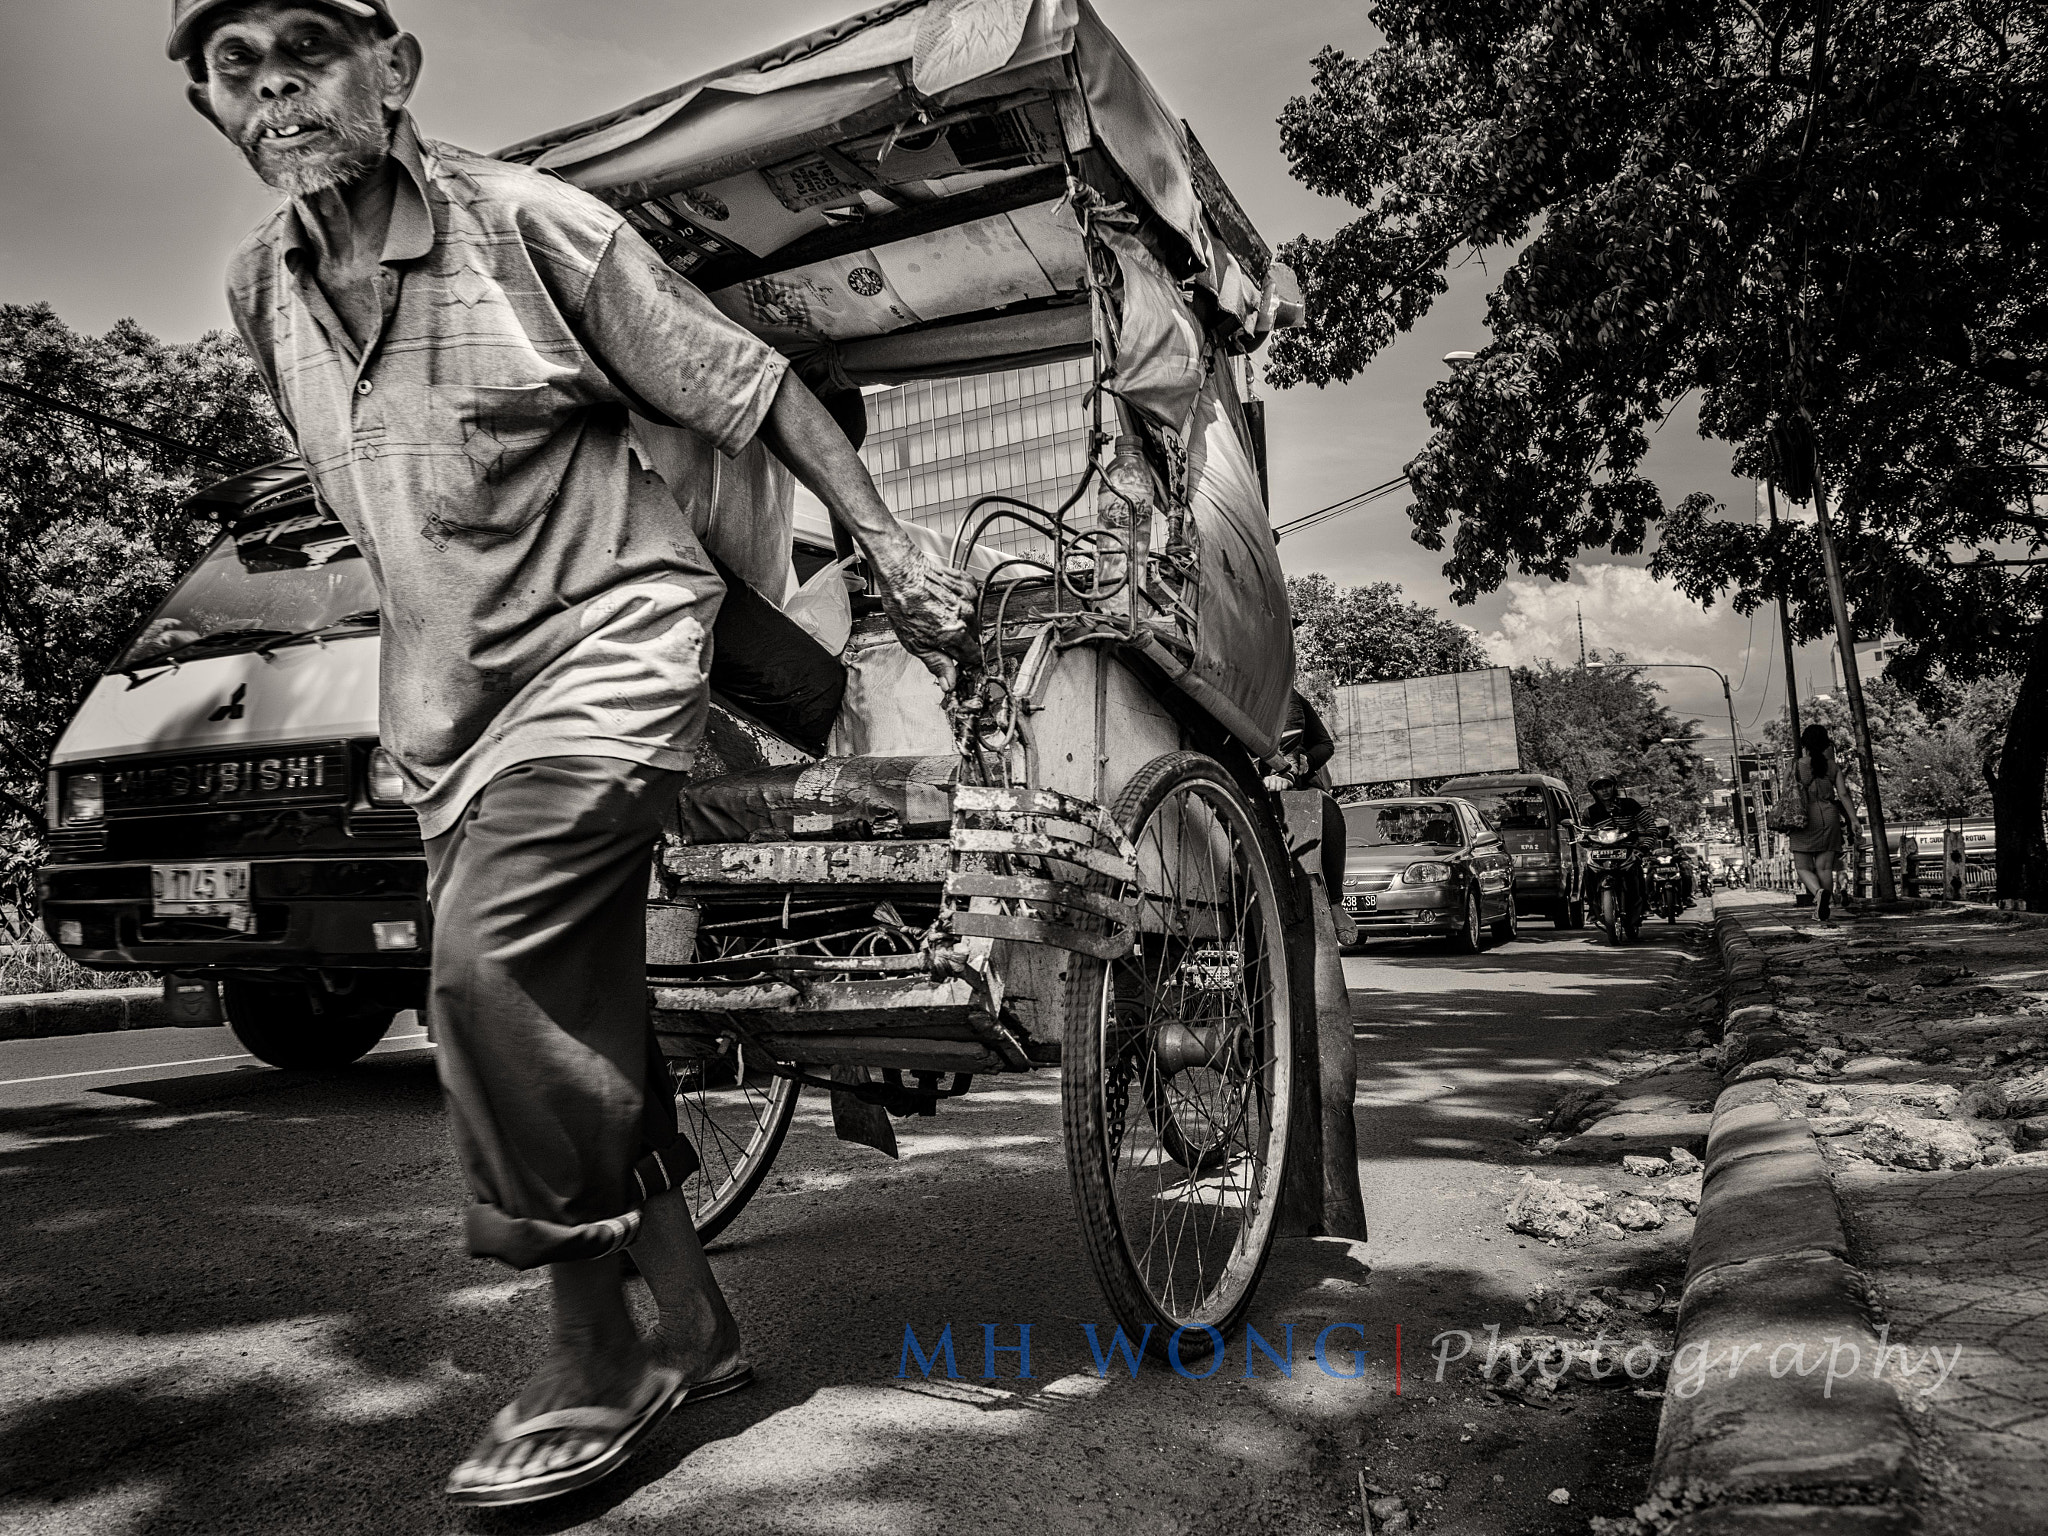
936, 446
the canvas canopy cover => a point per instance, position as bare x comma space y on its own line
933, 188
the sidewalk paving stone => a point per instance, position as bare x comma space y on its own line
1958, 1257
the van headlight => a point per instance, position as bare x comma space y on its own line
386, 783
1425, 874
85, 798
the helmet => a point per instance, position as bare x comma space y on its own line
1605, 782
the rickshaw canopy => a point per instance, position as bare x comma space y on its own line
934, 188
903, 174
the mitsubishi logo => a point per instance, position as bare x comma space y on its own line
232, 710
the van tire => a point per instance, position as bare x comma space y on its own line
285, 1024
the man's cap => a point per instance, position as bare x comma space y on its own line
186, 15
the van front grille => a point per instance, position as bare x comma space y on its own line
402, 822
83, 843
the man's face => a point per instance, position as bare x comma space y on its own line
305, 95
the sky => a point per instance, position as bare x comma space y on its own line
116, 200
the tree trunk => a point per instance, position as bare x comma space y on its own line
2016, 796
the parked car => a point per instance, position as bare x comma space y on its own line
1427, 866
1537, 820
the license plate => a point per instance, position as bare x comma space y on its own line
1362, 903
203, 890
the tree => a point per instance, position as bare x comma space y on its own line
1579, 725
1371, 634
91, 531
1933, 763
1818, 218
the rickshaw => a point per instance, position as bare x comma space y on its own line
1069, 859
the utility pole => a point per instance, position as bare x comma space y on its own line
1785, 631
1852, 682
1580, 609
1735, 750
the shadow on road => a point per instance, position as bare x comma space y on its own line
231, 1311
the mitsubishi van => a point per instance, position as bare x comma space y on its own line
220, 808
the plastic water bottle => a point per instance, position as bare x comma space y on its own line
1126, 511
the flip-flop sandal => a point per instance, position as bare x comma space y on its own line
741, 1375
660, 1394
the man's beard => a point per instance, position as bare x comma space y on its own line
359, 137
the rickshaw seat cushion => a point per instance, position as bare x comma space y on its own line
835, 797
766, 663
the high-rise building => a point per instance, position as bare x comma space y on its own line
937, 445
1871, 657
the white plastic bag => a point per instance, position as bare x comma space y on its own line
823, 606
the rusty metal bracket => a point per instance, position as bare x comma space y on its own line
1040, 867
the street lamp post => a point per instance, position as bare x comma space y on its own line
1742, 829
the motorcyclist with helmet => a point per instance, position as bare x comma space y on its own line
1664, 836
1610, 807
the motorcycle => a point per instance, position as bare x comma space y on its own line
1614, 885
1667, 885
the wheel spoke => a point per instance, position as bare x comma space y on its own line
1189, 1022
735, 1128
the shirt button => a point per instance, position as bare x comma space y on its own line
365, 387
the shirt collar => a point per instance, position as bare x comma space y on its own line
410, 234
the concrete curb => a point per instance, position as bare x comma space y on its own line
40, 1015
1774, 1414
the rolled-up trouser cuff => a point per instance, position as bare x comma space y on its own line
525, 1243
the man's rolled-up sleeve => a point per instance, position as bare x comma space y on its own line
672, 353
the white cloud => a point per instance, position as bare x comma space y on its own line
1624, 607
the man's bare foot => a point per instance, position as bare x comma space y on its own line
701, 1355
597, 1360
612, 1379
696, 1334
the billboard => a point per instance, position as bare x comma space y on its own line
1424, 728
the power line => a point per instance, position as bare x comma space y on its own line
1770, 666
1336, 509
1748, 641
125, 428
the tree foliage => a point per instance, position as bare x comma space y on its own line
1580, 724
1371, 634
1817, 218
1932, 762
91, 531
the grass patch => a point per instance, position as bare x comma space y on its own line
36, 965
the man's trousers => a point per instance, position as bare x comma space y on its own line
563, 1115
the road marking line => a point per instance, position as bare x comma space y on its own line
196, 1061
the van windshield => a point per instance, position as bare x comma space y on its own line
270, 580
1511, 810
1425, 822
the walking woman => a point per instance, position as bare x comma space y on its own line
1817, 848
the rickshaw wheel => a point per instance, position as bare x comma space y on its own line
735, 1114
1177, 1079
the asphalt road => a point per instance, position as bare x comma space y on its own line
234, 1301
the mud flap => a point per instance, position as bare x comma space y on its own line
852, 1120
